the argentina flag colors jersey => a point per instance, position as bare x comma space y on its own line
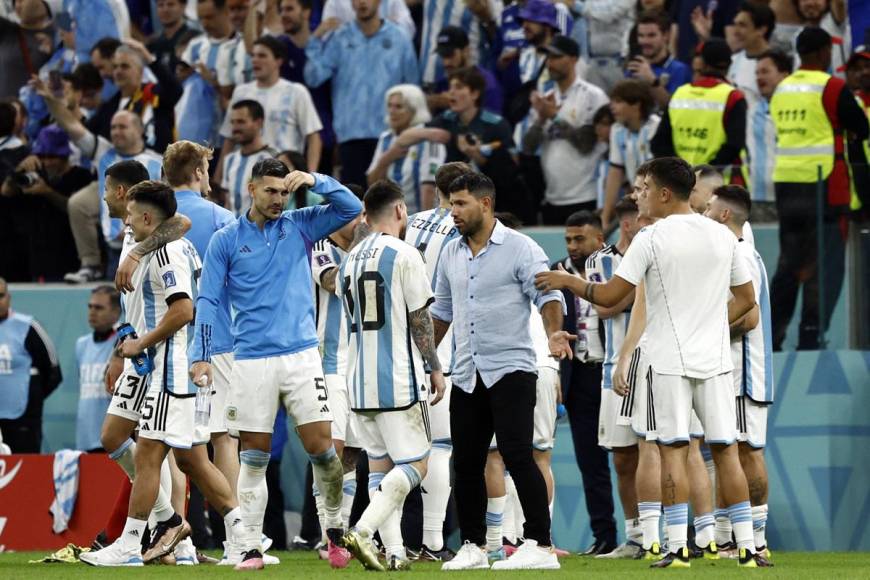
331, 321
600, 267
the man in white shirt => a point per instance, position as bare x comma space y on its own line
689, 350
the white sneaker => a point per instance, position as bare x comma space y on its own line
185, 553
233, 555
530, 556
469, 557
270, 560
630, 550
266, 542
114, 555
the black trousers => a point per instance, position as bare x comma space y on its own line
798, 265
583, 402
355, 156
507, 409
23, 435
557, 215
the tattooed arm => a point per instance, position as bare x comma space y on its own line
170, 230
424, 337
327, 280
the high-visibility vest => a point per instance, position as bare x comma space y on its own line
804, 135
855, 203
697, 121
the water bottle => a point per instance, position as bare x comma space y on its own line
203, 406
141, 362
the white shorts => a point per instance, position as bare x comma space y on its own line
129, 395
403, 436
674, 397
634, 410
439, 415
696, 430
222, 368
751, 422
258, 385
343, 420
610, 433
171, 419
545, 409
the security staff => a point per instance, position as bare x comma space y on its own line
816, 117
706, 120
29, 372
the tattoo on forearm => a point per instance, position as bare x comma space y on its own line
169, 231
424, 337
328, 279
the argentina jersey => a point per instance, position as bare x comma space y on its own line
381, 282
413, 171
112, 227
237, 174
429, 231
752, 353
330, 318
165, 275
600, 268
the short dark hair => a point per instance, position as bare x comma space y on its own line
477, 184
642, 169
657, 17
581, 218
634, 92
508, 220
269, 167
624, 207
155, 193
305, 4
128, 173
448, 172
673, 173
111, 292
603, 114
255, 109
735, 195
275, 46
86, 77
296, 159
8, 113
106, 46
783, 62
761, 15
704, 171
471, 78
812, 40
381, 196
217, 3
355, 189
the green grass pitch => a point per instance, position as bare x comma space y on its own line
788, 565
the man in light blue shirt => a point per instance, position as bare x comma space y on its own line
363, 58
262, 262
484, 282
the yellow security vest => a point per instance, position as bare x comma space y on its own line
697, 121
855, 203
804, 135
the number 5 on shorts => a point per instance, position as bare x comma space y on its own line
320, 386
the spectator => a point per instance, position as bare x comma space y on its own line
173, 27
29, 373
97, 19
561, 120
211, 53
38, 192
93, 351
753, 27
363, 58
414, 171
338, 12
64, 59
858, 74
602, 123
608, 23
240, 67
198, 113
698, 21
811, 146
832, 17
12, 149
246, 119
653, 62
455, 53
291, 121
153, 102
102, 55
632, 104
19, 60
706, 120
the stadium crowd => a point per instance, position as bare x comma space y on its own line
152, 144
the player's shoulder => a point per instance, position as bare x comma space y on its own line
82, 341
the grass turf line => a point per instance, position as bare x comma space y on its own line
304, 565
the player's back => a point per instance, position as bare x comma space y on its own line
206, 217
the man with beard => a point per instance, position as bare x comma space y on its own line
246, 126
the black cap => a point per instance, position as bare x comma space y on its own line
812, 39
450, 39
716, 54
562, 45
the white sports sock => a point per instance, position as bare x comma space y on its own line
704, 529
741, 521
436, 494
131, 537
650, 513
124, 456
163, 509
494, 518
759, 525
723, 526
253, 496
348, 492
395, 486
328, 473
233, 524
391, 528
677, 519
633, 530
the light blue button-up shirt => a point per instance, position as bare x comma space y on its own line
486, 297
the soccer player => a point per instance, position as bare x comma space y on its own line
429, 231
160, 309
708, 178
689, 346
386, 296
262, 263
752, 352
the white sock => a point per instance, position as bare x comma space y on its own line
328, 474
394, 487
705, 526
494, 518
124, 456
723, 526
633, 531
233, 524
163, 509
741, 521
131, 537
436, 494
253, 496
348, 492
391, 528
759, 525
677, 521
649, 515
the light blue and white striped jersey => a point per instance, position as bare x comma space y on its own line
237, 174
429, 231
239, 68
761, 150
381, 282
215, 54
629, 150
600, 268
602, 167
417, 167
91, 360
440, 13
167, 274
198, 112
331, 322
96, 19
752, 353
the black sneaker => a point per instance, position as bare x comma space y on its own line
747, 559
674, 560
429, 555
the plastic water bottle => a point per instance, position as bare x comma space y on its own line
141, 362
203, 406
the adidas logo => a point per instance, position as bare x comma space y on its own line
134, 533
324, 409
245, 250
122, 405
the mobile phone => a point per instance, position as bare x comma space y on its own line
55, 84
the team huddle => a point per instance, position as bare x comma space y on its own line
360, 321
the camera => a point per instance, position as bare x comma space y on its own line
24, 179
